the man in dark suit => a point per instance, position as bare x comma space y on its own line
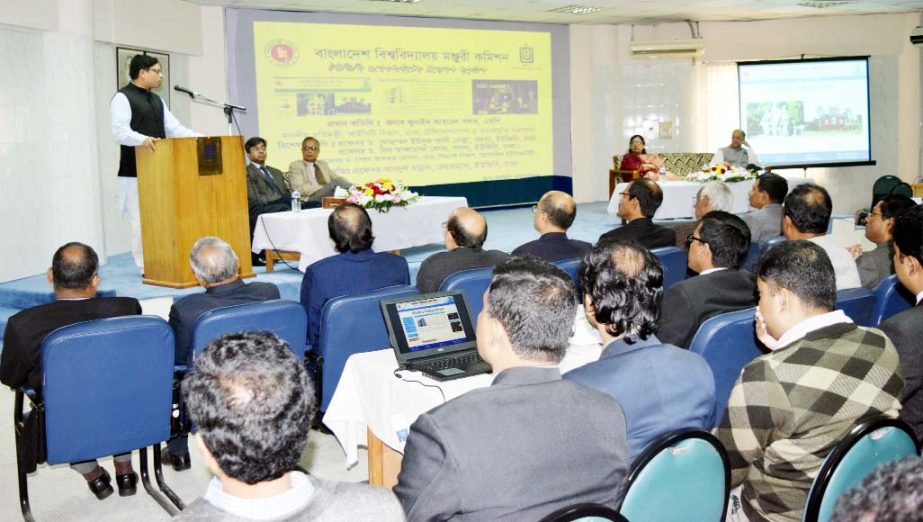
75, 279
531, 442
553, 215
465, 233
357, 268
637, 207
717, 248
906, 328
266, 188
661, 387
214, 265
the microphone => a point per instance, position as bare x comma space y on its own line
185, 90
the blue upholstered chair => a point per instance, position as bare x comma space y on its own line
473, 283
769, 243
753, 255
856, 303
585, 512
286, 319
570, 266
867, 446
107, 390
727, 342
684, 476
891, 298
351, 324
674, 264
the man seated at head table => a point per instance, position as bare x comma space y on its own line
465, 233
637, 206
552, 216
714, 195
738, 154
266, 188
823, 374
661, 387
311, 177
717, 248
531, 442
252, 402
766, 196
875, 265
75, 278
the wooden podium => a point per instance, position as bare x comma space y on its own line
189, 188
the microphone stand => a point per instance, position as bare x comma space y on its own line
226, 107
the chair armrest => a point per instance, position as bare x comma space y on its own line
624, 175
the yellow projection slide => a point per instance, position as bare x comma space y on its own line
426, 106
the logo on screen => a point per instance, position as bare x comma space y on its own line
281, 52
526, 54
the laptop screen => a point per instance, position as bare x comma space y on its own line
437, 322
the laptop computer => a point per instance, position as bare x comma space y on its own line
432, 334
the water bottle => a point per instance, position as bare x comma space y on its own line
296, 201
663, 173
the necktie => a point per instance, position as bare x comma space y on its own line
269, 179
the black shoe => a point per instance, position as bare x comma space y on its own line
127, 483
100, 486
179, 462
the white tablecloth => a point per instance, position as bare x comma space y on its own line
306, 231
370, 396
679, 197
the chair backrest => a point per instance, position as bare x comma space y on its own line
473, 283
867, 446
685, 475
727, 342
570, 266
286, 319
769, 243
585, 512
107, 387
887, 185
891, 298
753, 255
352, 324
856, 303
674, 261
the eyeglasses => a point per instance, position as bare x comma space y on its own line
156, 71
877, 214
534, 208
691, 237
626, 194
309, 148
445, 225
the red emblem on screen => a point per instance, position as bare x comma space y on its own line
282, 52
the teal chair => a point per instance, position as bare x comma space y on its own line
891, 298
684, 476
867, 446
587, 512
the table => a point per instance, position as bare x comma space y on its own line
371, 407
306, 232
679, 197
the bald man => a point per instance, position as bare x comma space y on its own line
738, 154
465, 233
553, 215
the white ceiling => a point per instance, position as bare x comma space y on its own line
613, 11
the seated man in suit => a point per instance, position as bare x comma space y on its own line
530, 443
75, 279
876, 265
906, 328
465, 233
214, 265
766, 196
807, 216
553, 215
714, 195
823, 374
717, 248
357, 268
311, 177
661, 387
638, 205
266, 189
738, 154
252, 402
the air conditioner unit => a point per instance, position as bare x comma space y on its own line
691, 48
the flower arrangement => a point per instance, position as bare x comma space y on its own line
381, 194
721, 172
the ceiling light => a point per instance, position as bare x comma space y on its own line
823, 4
577, 9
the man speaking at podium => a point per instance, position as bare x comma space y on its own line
138, 117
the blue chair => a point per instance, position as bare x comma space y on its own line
570, 266
684, 476
674, 264
286, 319
126, 406
727, 342
891, 298
769, 243
473, 283
867, 446
351, 324
585, 512
856, 303
753, 255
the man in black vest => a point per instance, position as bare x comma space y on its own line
138, 117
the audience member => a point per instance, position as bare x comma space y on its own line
823, 374
638, 204
714, 195
75, 279
311, 177
554, 214
637, 158
266, 189
766, 196
807, 216
738, 154
622, 284
876, 264
531, 442
892, 493
717, 248
465, 233
906, 328
252, 403
356, 269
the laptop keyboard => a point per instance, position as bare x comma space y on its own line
462, 362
